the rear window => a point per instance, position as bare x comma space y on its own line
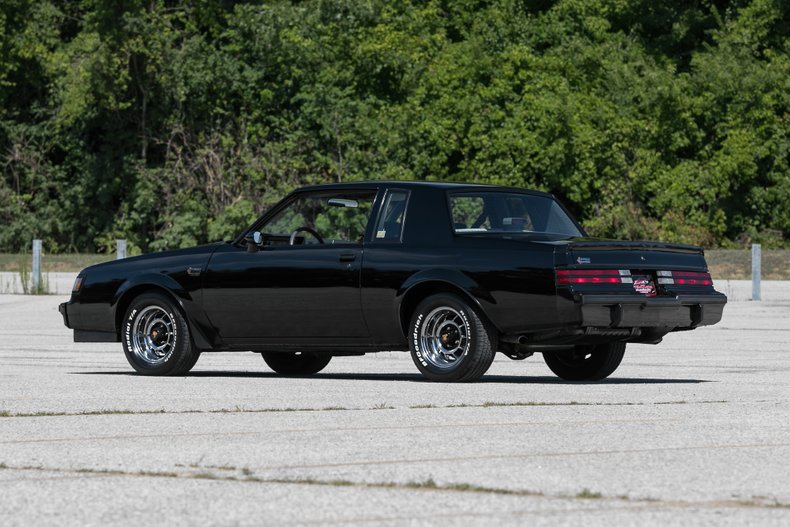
509, 212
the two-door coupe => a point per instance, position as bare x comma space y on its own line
452, 272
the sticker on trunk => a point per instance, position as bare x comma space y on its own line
644, 285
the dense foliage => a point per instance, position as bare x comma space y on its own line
175, 122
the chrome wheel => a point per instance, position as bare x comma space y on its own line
444, 337
153, 335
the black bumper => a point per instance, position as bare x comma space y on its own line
63, 308
630, 311
83, 335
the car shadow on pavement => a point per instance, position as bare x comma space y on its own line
411, 377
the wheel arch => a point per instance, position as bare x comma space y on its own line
421, 287
167, 286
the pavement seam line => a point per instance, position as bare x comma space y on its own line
380, 406
426, 485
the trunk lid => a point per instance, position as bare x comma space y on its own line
637, 256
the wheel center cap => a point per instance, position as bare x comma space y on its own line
449, 337
158, 335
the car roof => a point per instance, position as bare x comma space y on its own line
419, 184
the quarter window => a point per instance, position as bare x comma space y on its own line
393, 213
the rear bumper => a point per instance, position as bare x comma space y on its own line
630, 311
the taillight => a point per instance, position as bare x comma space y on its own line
594, 276
684, 278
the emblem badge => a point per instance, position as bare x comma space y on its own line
582, 260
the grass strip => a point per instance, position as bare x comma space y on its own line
379, 406
427, 485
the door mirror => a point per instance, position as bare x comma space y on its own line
254, 240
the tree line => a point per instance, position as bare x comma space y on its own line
171, 123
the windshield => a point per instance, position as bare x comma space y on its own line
509, 212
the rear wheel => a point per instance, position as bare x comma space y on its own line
586, 363
156, 339
296, 363
449, 341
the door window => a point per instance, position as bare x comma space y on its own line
322, 217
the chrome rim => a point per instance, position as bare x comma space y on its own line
444, 337
153, 335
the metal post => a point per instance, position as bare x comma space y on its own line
121, 249
36, 278
756, 270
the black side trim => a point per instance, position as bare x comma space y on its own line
82, 335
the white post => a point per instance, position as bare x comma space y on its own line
36, 278
121, 249
756, 270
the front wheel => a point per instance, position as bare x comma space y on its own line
156, 338
297, 364
449, 341
586, 363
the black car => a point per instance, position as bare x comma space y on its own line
453, 272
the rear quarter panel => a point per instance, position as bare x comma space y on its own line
512, 282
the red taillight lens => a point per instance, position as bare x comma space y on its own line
691, 278
684, 278
590, 276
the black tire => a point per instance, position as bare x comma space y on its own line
449, 341
586, 363
187, 367
296, 364
156, 338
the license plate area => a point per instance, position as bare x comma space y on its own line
644, 283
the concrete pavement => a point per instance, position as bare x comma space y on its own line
695, 430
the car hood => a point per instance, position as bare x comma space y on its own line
158, 261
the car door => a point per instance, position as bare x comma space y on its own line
303, 284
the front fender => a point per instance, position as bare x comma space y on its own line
202, 332
152, 279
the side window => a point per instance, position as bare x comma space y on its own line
502, 212
336, 217
393, 214
469, 214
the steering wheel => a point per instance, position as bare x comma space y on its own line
305, 229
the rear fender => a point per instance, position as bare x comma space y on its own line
430, 281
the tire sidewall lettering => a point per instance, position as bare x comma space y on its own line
128, 329
416, 340
468, 330
175, 333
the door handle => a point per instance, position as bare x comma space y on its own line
349, 257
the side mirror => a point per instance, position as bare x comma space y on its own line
254, 240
